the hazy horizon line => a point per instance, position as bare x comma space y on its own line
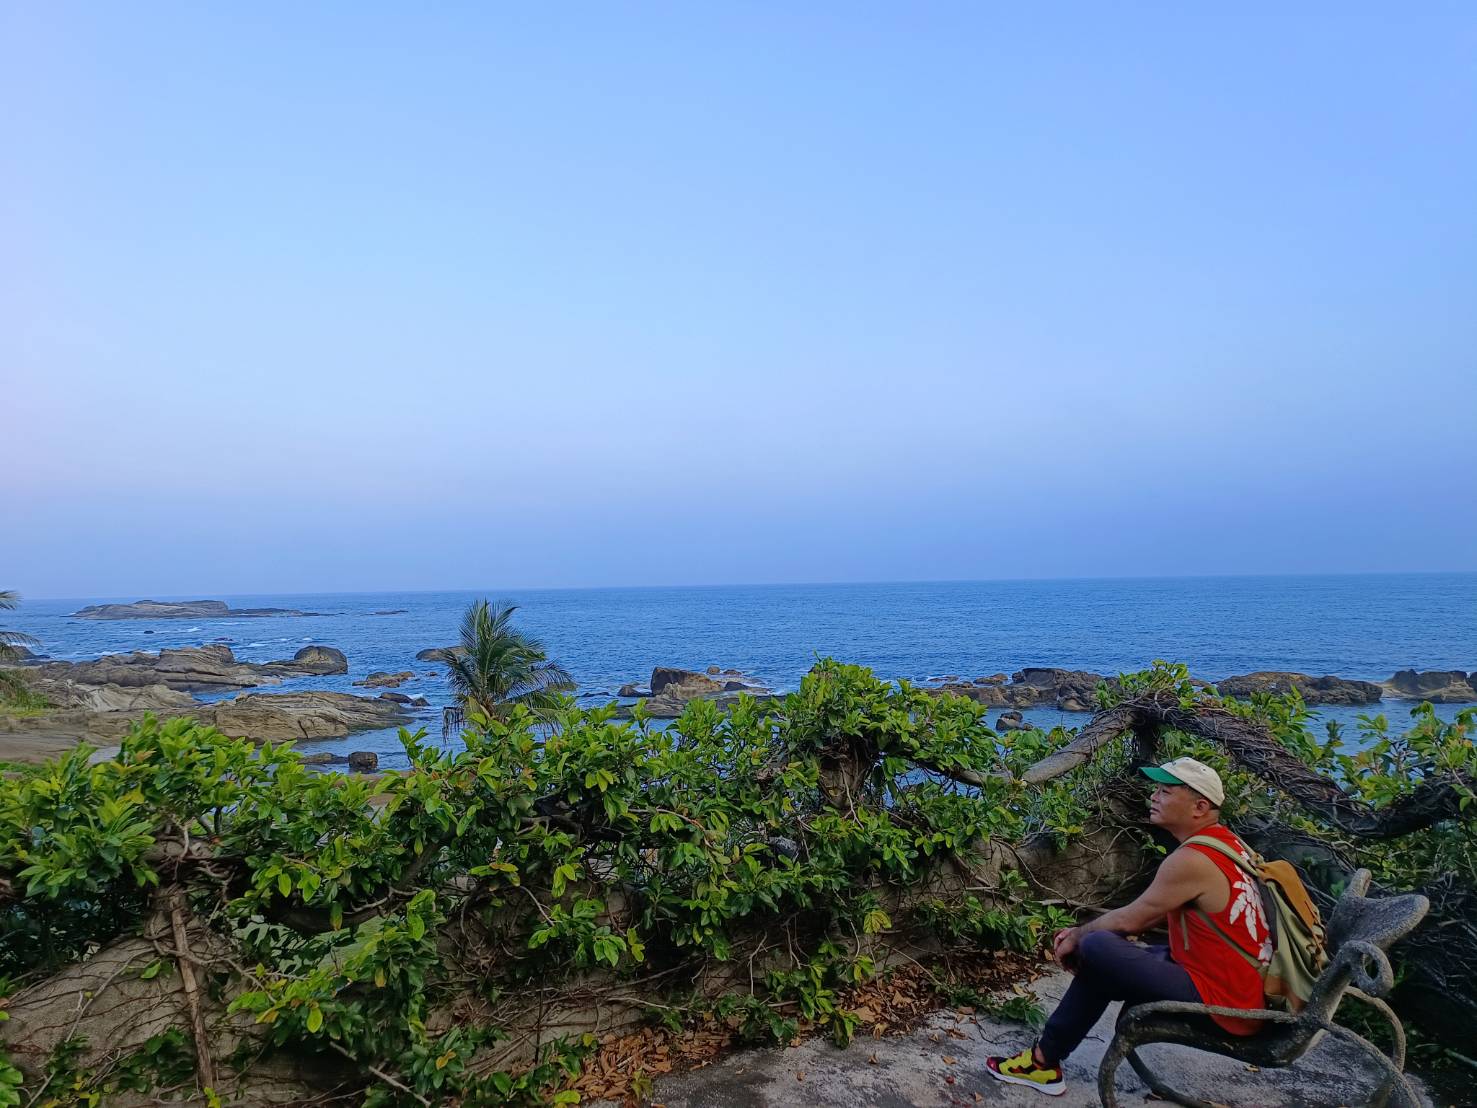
184, 597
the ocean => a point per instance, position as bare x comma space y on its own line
1353, 626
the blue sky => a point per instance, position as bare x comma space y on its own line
358, 296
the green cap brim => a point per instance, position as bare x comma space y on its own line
1154, 773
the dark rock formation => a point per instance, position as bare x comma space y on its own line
185, 609
1011, 721
390, 612
382, 680
395, 697
672, 689
1070, 690
669, 706
363, 761
314, 661
1437, 686
1315, 690
682, 682
437, 653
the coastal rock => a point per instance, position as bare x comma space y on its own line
185, 609
437, 653
390, 612
395, 697
1011, 721
363, 761
1070, 690
713, 671
1314, 690
632, 689
1437, 686
277, 717
382, 680
314, 661
419, 702
110, 698
670, 707
684, 683
211, 668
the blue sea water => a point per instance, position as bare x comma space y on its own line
1354, 626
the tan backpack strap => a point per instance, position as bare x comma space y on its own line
1221, 848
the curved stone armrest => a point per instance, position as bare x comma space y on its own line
1359, 956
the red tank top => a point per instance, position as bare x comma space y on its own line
1222, 976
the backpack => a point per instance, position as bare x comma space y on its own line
1299, 953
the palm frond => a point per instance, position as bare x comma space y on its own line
499, 666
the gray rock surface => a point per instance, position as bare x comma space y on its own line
275, 717
1437, 686
673, 688
184, 609
313, 661
383, 680
942, 1064
211, 668
1070, 690
363, 761
437, 653
1315, 690
278, 717
1011, 721
110, 698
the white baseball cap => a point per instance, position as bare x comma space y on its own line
1191, 774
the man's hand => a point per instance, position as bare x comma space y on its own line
1064, 947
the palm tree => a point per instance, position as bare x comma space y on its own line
494, 667
9, 640
13, 689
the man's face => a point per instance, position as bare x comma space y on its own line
1173, 805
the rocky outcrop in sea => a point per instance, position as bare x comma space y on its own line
671, 689
1315, 690
184, 609
1437, 686
206, 669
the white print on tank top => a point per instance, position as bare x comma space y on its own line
1246, 905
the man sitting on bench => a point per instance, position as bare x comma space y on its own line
1207, 904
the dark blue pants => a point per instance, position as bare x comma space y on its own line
1110, 968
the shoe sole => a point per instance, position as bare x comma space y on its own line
1059, 1089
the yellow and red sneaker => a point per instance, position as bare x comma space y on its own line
1023, 1069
